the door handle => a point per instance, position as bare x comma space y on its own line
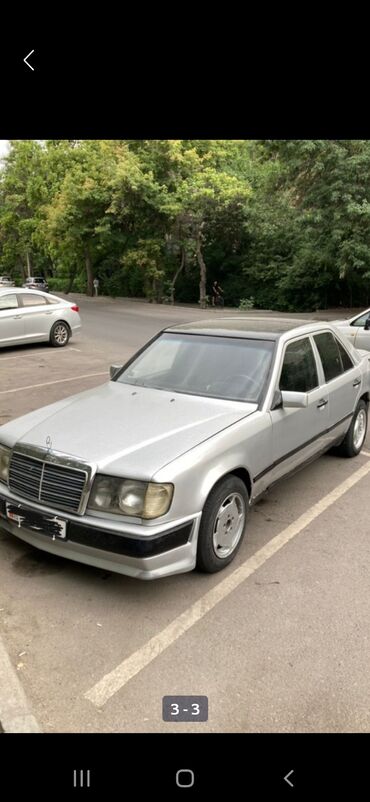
356, 383
16, 317
322, 403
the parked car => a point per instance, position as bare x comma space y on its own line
29, 316
357, 329
6, 281
36, 283
153, 472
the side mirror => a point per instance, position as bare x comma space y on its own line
113, 370
367, 324
291, 399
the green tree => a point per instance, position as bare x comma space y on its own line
21, 192
329, 184
201, 188
78, 220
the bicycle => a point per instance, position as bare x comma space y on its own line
218, 300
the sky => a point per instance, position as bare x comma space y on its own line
3, 147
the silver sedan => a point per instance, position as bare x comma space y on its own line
357, 329
28, 316
153, 473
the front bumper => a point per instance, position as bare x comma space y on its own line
135, 550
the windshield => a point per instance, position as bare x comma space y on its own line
217, 367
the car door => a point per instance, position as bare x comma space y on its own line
362, 337
299, 433
355, 331
343, 381
36, 314
11, 321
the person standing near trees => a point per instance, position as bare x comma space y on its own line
217, 297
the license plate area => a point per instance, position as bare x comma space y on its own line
50, 525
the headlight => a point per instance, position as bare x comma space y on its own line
4, 463
130, 497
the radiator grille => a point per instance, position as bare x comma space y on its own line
47, 482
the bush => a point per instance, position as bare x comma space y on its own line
207, 300
246, 303
58, 284
61, 284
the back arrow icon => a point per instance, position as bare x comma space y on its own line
26, 62
286, 778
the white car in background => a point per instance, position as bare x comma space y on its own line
6, 281
28, 316
356, 329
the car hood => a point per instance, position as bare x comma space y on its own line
126, 430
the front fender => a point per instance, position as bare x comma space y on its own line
246, 445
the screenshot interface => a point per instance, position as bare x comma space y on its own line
184, 452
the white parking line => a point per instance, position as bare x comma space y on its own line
15, 715
34, 353
57, 381
116, 679
365, 453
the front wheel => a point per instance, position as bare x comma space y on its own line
354, 439
222, 525
59, 334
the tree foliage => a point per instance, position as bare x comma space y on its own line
283, 222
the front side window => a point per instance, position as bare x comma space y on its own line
8, 302
33, 300
360, 321
216, 367
299, 372
330, 356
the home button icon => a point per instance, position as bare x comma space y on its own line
185, 778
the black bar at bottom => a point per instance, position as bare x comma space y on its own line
194, 765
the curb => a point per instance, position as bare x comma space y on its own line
15, 715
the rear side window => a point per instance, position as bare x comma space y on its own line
299, 373
330, 355
33, 300
8, 302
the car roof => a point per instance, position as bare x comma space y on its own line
269, 328
359, 314
12, 290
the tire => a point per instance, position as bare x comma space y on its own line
227, 501
354, 439
60, 334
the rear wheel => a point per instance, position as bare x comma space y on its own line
354, 439
222, 525
59, 334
